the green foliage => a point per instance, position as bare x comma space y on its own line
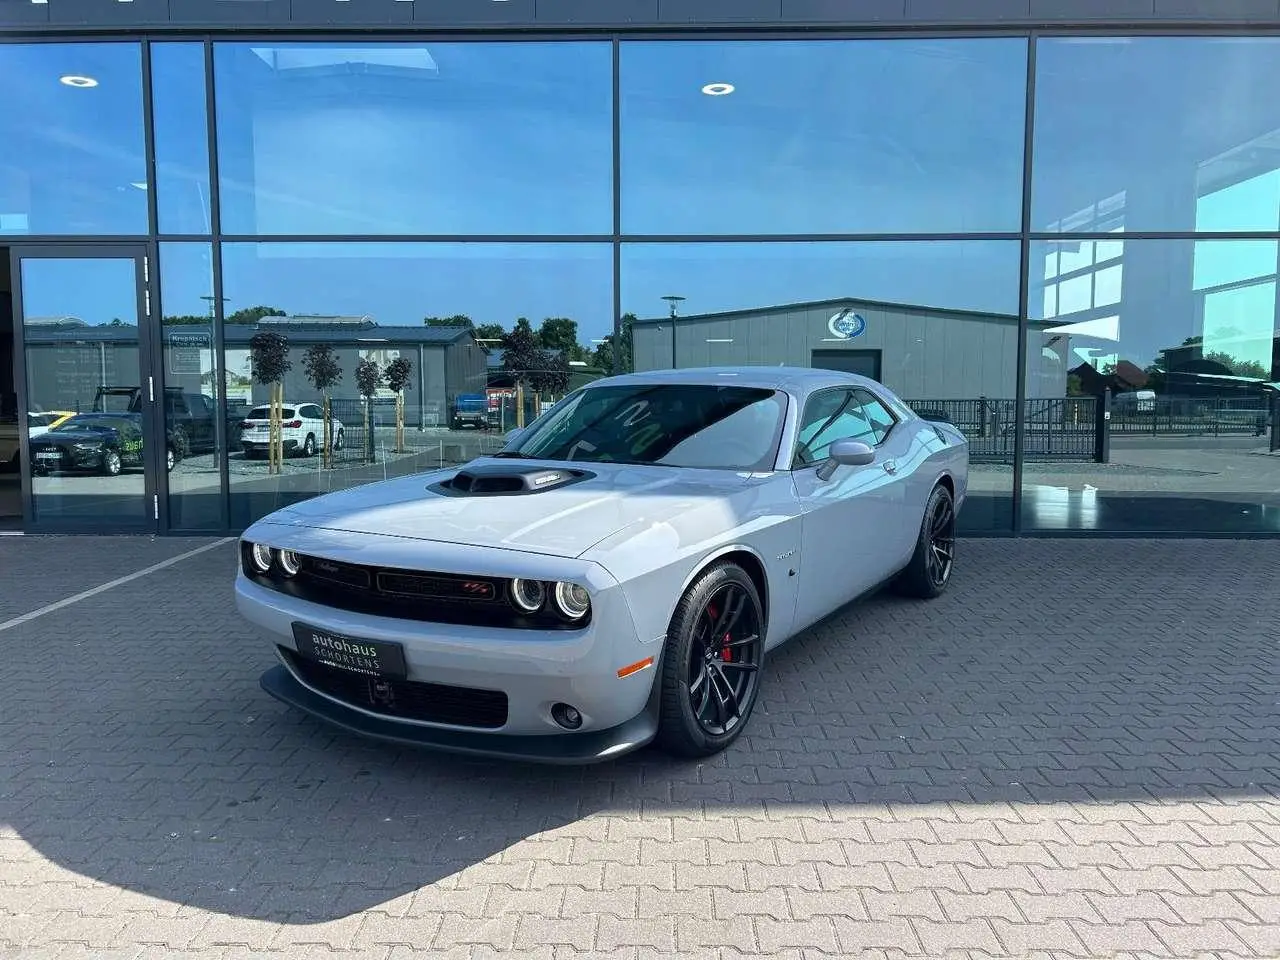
368, 377
561, 333
254, 314
321, 367
490, 331
604, 356
269, 356
457, 320
398, 373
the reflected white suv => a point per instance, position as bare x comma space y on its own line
302, 430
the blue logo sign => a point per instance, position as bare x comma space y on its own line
846, 324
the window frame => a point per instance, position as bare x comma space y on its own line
853, 390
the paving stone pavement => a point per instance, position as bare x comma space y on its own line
1074, 753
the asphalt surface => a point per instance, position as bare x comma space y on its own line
1073, 753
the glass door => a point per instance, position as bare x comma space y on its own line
89, 456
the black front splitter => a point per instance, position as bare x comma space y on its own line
595, 746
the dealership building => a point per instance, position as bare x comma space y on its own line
1056, 222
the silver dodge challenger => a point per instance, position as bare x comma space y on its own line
616, 574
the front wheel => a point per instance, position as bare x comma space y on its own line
111, 463
929, 571
711, 666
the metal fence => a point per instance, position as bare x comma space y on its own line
1063, 428
1190, 416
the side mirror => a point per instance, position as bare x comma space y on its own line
849, 453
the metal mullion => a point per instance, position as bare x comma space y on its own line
818, 237
215, 253
154, 319
1155, 235
314, 238
1024, 287
616, 117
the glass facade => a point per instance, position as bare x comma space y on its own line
407, 248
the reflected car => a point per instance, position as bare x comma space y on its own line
616, 575
301, 429
106, 443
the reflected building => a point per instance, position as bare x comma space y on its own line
1098, 313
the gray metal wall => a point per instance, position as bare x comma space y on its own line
561, 14
923, 355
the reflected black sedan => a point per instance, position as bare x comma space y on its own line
95, 442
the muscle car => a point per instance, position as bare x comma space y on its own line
617, 574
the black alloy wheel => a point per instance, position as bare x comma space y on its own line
942, 541
929, 571
711, 668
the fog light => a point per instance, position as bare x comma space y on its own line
567, 716
261, 555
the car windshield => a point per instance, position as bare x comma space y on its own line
677, 425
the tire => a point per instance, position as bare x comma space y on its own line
338, 441
697, 717
111, 464
927, 574
309, 445
170, 460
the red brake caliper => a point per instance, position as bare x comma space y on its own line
725, 653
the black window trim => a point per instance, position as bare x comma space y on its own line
893, 417
854, 389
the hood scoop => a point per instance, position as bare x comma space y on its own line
511, 479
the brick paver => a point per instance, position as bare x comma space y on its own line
1075, 752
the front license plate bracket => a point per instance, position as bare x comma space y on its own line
370, 658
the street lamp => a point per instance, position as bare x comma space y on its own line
672, 301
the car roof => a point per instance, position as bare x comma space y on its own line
799, 380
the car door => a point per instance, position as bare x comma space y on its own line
899, 453
849, 522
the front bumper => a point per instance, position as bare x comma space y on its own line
532, 670
559, 748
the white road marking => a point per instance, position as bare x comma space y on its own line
111, 584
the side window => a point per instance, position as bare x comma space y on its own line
828, 417
876, 414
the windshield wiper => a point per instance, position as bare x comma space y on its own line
512, 454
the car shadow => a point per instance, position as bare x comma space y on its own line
140, 752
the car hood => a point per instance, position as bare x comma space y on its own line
563, 522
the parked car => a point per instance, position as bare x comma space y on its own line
616, 574
302, 430
191, 415
97, 442
471, 410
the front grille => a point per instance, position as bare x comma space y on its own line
405, 699
428, 596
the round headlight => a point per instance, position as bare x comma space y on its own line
261, 555
573, 600
289, 563
528, 594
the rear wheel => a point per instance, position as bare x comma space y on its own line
309, 445
711, 667
929, 571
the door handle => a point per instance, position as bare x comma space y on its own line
890, 467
